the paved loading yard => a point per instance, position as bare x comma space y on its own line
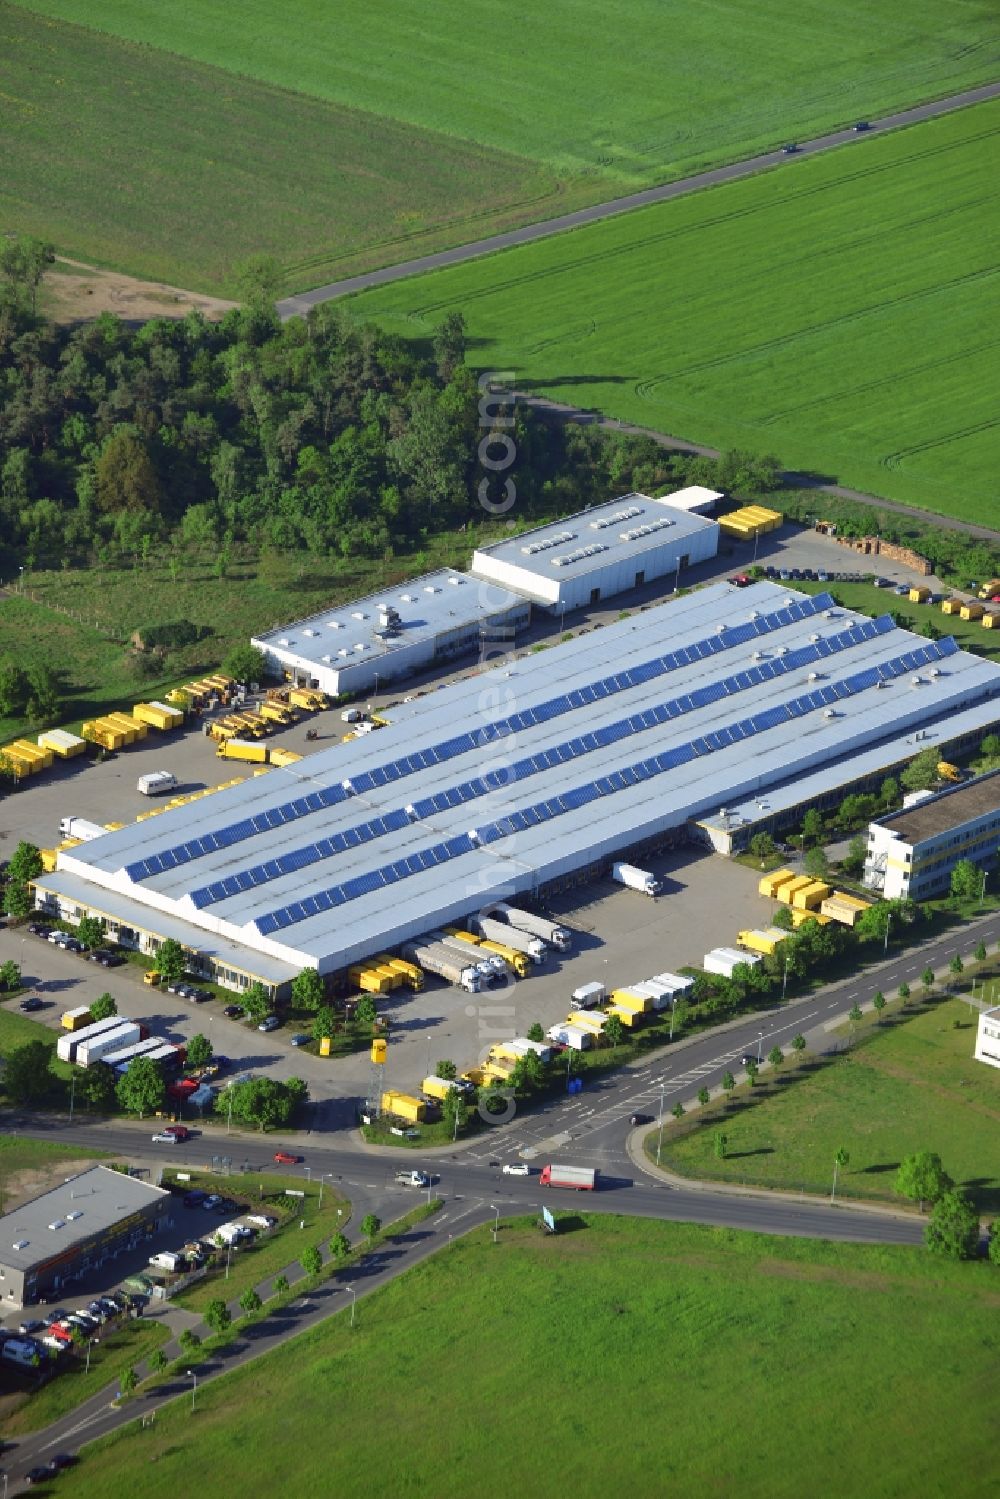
620, 937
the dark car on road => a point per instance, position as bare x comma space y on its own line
233, 1012
31, 1004
790, 149
861, 126
194, 1199
640, 1119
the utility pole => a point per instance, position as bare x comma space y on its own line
659, 1143
72, 1095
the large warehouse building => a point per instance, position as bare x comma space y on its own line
74, 1228
589, 557
532, 775
393, 634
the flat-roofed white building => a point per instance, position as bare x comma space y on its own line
912, 853
394, 633
598, 553
988, 1038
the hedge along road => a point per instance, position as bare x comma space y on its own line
301, 304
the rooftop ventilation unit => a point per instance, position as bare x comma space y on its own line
813, 638
757, 656
20, 1243
284, 642
72, 1217
411, 812
813, 676
343, 652
326, 660
782, 650
429, 588
56, 1224
457, 582
360, 646
310, 633
358, 614
916, 682
755, 614
347, 786
334, 624
829, 713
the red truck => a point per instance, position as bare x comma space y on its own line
579, 1178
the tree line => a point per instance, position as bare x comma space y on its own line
317, 434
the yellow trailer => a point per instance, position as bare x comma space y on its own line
373, 980
770, 884
132, 726
61, 743
114, 827
786, 893
437, 1088
473, 1075
951, 606
990, 620
463, 936
627, 1017
593, 1021
519, 961
843, 908
48, 858
410, 973
282, 757
32, 757
918, 594
96, 732
308, 698
403, 1106
75, 1020
638, 1003
971, 611
810, 896
800, 917
278, 713
158, 715
765, 940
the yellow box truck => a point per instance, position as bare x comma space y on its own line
639, 1004
809, 896
61, 743
787, 892
765, 940
243, 749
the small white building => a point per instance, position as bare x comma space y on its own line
988, 1038
393, 634
912, 853
609, 549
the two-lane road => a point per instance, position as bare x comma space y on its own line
301, 304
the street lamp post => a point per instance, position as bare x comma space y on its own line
659, 1143
888, 924
90, 1344
194, 1388
760, 1042
322, 1180
354, 1300
982, 889
673, 1009
784, 981
229, 1256
496, 1221
428, 1072
229, 1115
72, 1095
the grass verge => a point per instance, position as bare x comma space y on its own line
131, 1345
821, 1332
906, 1085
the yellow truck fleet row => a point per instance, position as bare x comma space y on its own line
809, 899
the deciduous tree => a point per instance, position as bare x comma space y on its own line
922, 1178
104, 1006
953, 1227
170, 960
308, 990
199, 1051
141, 1089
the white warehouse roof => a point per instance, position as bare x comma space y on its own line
609, 547
519, 776
400, 622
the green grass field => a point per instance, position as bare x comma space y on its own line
106, 604
723, 1363
172, 140
913, 1085
841, 315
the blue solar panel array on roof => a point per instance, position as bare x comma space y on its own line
468, 791
381, 775
572, 799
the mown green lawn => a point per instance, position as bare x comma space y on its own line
171, 140
719, 1363
839, 314
913, 1085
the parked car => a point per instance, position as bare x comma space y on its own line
740, 580
301, 1040
38, 929
211, 1202
61, 1461
901, 590
37, 1475
177, 986
31, 1004
233, 1011
262, 1220
106, 958
516, 1168
194, 1199
269, 1023
882, 582
199, 996
33, 1324
286, 1158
